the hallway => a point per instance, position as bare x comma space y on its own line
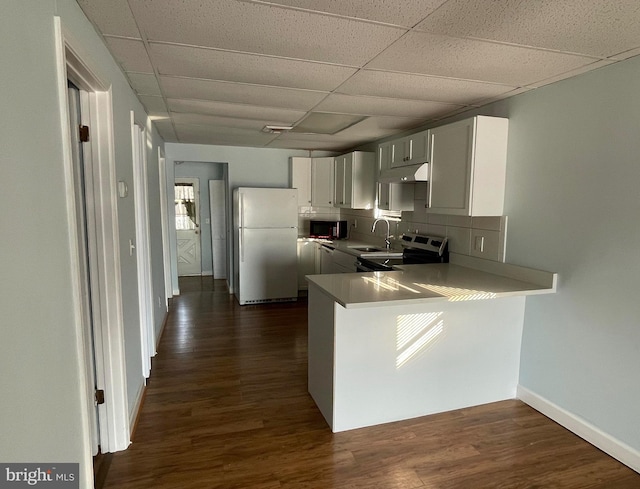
227, 407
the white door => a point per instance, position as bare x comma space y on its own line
217, 202
79, 170
187, 201
143, 249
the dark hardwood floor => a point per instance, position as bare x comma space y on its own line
227, 407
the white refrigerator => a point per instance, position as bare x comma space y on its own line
265, 222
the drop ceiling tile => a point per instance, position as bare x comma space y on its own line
429, 54
263, 29
502, 96
594, 27
165, 129
131, 54
232, 122
380, 126
404, 13
420, 87
241, 111
144, 84
322, 123
221, 135
312, 145
288, 98
352, 104
247, 68
153, 104
113, 18
337, 142
571, 73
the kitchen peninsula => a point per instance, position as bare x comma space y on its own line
386, 346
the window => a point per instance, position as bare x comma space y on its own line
185, 207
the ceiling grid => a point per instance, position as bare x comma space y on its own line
218, 72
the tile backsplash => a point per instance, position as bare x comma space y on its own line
483, 237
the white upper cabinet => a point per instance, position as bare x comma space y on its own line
301, 179
410, 150
322, 182
355, 180
468, 167
313, 177
392, 196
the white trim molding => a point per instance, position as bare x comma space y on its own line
108, 319
585, 430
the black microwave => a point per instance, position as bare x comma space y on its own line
328, 229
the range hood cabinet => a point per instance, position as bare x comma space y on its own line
405, 174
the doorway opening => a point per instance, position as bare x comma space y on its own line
187, 224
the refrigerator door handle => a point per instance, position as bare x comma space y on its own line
241, 224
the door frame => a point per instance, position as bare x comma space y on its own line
164, 220
104, 239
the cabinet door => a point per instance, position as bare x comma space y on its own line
418, 148
450, 168
306, 261
399, 152
326, 260
383, 196
301, 179
384, 163
338, 195
344, 180
348, 180
384, 156
322, 182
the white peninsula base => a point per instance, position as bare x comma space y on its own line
375, 365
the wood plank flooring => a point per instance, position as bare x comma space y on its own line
227, 407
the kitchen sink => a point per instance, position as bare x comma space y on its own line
375, 252
368, 249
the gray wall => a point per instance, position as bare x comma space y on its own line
573, 207
40, 359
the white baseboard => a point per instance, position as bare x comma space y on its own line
133, 415
594, 435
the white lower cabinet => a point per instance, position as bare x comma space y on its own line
468, 167
336, 261
307, 260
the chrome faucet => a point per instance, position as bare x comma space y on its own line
387, 241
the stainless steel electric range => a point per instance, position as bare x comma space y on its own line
416, 249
